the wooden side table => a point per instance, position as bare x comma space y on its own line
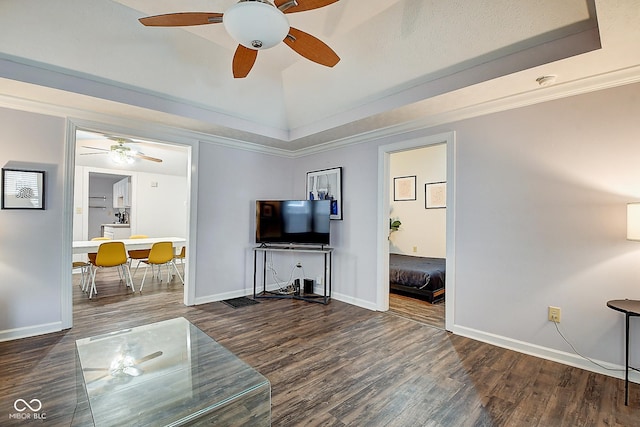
630, 308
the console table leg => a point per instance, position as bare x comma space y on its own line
626, 374
255, 254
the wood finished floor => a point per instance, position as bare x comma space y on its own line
335, 365
417, 309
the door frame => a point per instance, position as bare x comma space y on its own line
384, 188
156, 134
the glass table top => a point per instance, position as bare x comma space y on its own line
166, 373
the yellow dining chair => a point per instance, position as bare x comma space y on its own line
84, 272
180, 258
161, 253
92, 259
138, 254
111, 254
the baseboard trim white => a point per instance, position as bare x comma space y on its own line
570, 359
30, 331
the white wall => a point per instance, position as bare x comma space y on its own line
159, 210
354, 238
30, 253
160, 205
229, 182
422, 229
540, 220
541, 197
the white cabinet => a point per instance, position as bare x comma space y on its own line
116, 232
122, 193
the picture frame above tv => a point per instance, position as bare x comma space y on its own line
326, 184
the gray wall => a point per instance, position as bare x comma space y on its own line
540, 220
30, 248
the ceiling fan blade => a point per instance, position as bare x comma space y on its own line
288, 6
95, 148
153, 159
182, 19
149, 356
243, 61
311, 48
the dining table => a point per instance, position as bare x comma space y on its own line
87, 246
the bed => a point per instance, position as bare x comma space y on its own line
419, 276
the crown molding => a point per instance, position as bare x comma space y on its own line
135, 126
550, 93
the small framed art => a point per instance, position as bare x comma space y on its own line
404, 188
22, 189
435, 195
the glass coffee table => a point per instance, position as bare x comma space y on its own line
168, 373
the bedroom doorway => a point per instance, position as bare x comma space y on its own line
409, 174
417, 242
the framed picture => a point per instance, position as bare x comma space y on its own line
326, 185
404, 188
435, 195
22, 189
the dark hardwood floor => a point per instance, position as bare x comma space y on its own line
417, 309
334, 365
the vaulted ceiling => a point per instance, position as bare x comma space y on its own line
401, 61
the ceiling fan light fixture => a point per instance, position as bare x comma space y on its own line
256, 24
121, 156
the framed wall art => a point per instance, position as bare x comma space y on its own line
435, 195
404, 188
22, 189
326, 185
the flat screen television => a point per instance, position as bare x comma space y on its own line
304, 222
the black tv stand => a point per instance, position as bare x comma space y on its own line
327, 252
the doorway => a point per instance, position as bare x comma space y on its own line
384, 185
162, 205
417, 242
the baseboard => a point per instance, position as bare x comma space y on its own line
30, 331
570, 359
349, 300
219, 297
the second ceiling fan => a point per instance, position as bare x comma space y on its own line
257, 25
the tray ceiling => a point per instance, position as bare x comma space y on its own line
400, 59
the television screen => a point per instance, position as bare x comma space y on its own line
293, 221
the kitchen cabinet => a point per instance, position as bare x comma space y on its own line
122, 193
116, 231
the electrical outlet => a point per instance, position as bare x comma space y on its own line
299, 264
415, 249
554, 314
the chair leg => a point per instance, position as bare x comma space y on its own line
86, 273
127, 274
93, 283
146, 267
137, 266
177, 272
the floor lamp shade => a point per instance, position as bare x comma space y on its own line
633, 221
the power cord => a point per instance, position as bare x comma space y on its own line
581, 355
289, 288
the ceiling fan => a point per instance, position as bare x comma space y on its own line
121, 153
124, 365
257, 25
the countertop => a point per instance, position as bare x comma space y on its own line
117, 225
